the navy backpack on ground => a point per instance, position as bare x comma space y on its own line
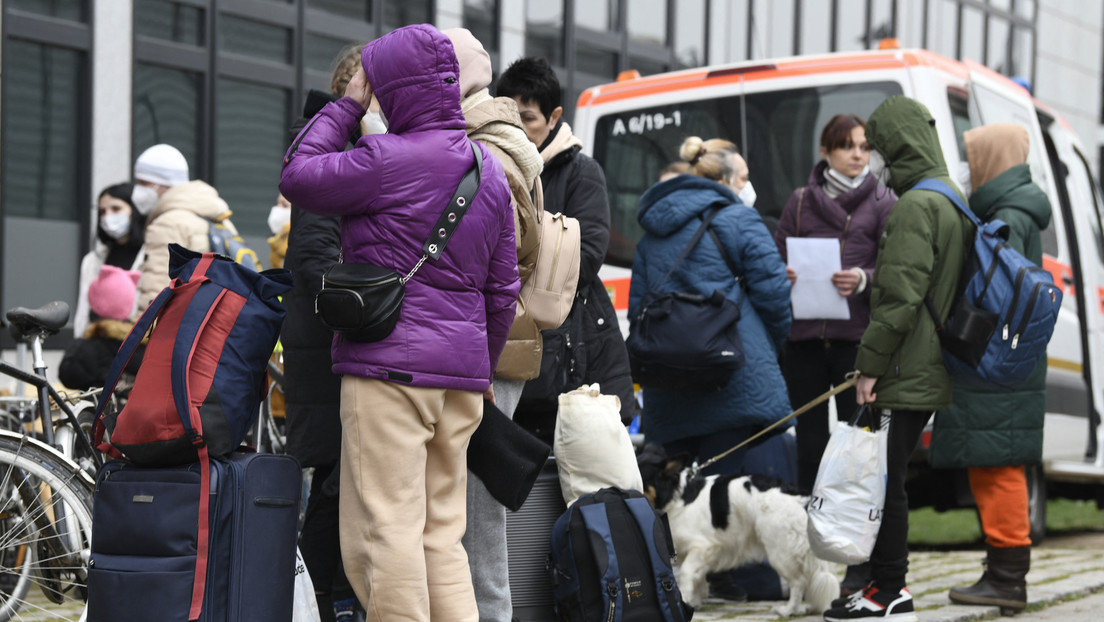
1005, 309
612, 559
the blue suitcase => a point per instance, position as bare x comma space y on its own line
144, 542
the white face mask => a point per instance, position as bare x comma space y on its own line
878, 168
963, 178
115, 225
143, 198
278, 217
849, 182
373, 123
747, 194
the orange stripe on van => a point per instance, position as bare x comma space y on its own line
1100, 297
752, 71
1061, 273
618, 290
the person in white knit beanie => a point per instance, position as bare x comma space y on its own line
158, 168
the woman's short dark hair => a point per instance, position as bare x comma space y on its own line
837, 132
531, 79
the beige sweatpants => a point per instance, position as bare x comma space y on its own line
402, 503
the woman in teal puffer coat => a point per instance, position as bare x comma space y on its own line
994, 432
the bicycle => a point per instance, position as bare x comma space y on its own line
45, 485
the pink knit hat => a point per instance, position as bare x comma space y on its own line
112, 294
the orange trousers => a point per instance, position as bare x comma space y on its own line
1001, 496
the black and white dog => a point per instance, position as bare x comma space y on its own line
722, 522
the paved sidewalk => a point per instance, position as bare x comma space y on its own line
1055, 574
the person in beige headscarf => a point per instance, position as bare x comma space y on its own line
495, 122
994, 433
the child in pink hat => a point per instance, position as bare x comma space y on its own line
111, 299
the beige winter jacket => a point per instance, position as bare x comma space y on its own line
182, 216
496, 124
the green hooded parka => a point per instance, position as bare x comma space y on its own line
985, 427
920, 254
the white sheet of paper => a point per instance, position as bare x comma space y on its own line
813, 295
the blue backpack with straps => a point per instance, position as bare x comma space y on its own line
612, 561
1004, 311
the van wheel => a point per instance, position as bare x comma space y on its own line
1036, 501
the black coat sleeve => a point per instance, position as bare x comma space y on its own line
585, 199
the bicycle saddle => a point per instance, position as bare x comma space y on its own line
50, 317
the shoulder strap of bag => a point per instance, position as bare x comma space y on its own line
935, 185
115, 372
597, 523
457, 207
714, 209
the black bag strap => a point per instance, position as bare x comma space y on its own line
714, 209
457, 207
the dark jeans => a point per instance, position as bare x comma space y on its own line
889, 561
318, 542
812, 367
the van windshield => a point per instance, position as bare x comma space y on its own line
781, 146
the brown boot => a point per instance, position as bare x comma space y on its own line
1003, 583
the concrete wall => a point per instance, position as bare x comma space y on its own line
1069, 65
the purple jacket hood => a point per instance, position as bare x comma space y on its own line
389, 191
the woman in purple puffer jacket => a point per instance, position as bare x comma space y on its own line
410, 402
842, 201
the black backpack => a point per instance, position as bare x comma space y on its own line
612, 559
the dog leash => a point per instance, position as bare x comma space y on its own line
849, 381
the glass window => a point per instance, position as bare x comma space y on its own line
594, 60
320, 52
850, 25
690, 33
881, 21
647, 21
973, 25
1023, 59
816, 27
171, 21
42, 143
360, 10
960, 117
166, 110
999, 32
251, 129
598, 15
1025, 8
481, 18
74, 10
397, 13
256, 39
778, 17
647, 66
1084, 195
544, 30
942, 18
781, 146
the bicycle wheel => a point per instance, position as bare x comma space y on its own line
66, 438
47, 502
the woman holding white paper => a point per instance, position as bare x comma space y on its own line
843, 202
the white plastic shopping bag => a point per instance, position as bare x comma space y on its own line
845, 509
592, 447
305, 608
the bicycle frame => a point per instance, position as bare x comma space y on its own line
47, 392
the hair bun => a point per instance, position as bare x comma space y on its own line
692, 149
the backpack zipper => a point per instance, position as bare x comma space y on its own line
989, 273
611, 588
1017, 283
1016, 296
1027, 314
556, 255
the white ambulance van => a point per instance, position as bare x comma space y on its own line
775, 109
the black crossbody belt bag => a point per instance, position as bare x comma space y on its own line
362, 302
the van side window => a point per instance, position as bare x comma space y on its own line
960, 117
1083, 193
780, 144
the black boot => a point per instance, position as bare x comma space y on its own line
1003, 582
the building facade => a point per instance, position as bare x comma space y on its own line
86, 85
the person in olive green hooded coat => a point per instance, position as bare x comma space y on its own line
996, 432
921, 253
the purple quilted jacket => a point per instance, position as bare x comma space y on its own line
389, 191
